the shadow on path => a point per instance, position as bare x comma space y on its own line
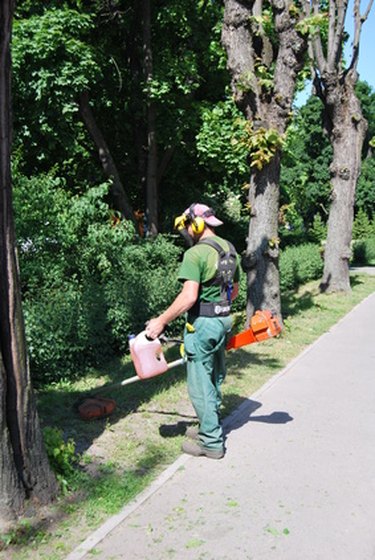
241, 416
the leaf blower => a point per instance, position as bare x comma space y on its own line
263, 325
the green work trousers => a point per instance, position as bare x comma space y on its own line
205, 352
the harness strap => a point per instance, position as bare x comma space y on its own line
218, 308
210, 309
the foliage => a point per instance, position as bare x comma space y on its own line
305, 179
365, 192
61, 454
261, 144
86, 281
362, 227
52, 64
366, 95
364, 251
318, 231
266, 23
142, 284
64, 49
291, 226
314, 24
299, 264
218, 140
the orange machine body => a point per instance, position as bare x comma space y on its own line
263, 325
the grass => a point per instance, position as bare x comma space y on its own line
122, 454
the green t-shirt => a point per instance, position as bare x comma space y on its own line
200, 264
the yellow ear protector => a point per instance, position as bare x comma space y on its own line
197, 222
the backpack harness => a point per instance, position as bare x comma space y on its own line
226, 267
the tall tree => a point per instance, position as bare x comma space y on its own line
24, 468
346, 126
265, 49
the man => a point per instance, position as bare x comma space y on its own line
210, 284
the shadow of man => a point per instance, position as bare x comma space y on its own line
235, 420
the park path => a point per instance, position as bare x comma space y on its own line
297, 481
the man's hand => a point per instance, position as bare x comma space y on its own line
185, 299
154, 327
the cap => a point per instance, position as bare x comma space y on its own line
205, 212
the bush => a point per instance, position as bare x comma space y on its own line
61, 455
362, 227
143, 282
299, 265
87, 282
364, 251
239, 303
318, 231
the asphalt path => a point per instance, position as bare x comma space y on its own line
297, 481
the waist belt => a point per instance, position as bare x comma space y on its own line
210, 309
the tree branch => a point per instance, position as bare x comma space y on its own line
120, 199
316, 43
331, 28
335, 56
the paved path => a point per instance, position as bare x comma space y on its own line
298, 479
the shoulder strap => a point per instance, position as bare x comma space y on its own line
214, 244
217, 246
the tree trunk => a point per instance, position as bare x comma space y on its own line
267, 104
152, 156
118, 194
262, 258
24, 467
133, 55
347, 134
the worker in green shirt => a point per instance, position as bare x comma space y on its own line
210, 274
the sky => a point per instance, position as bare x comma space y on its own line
366, 62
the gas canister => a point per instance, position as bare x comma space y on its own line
147, 356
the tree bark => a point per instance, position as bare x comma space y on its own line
24, 467
268, 107
262, 258
347, 134
119, 197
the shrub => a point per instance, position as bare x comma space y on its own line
143, 282
61, 454
87, 282
362, 227
364, 251
239, 303
318, 231
299, 264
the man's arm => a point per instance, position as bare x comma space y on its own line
184, 301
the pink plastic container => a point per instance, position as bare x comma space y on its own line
147, 356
